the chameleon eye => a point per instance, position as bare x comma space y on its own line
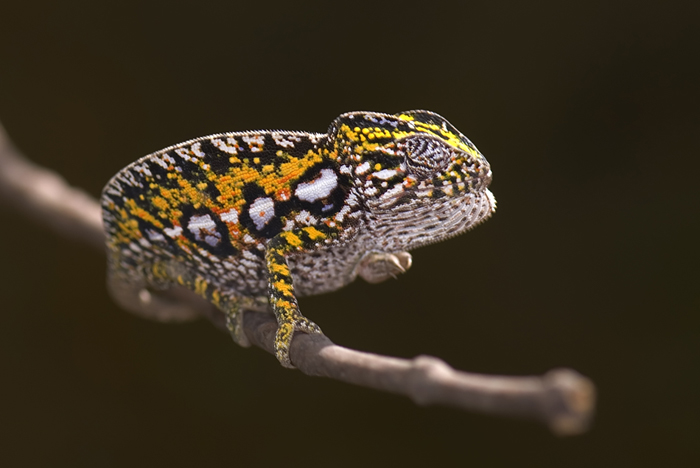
426, 156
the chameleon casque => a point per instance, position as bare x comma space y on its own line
253, 220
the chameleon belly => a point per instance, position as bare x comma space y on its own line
281, 214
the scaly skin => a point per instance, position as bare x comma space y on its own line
256, 219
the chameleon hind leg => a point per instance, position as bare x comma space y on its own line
281, 290
148, 292
137, 291
230, 305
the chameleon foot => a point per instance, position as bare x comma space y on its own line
285, 333
376, 267
234, 323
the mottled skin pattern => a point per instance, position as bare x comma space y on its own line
256, 219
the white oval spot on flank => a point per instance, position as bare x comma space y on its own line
173, 232
230, 216
261, 211
319, 188
203, 228
197, 223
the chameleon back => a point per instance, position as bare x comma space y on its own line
211, 204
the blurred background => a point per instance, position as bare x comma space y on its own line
589, 113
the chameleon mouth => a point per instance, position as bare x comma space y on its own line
481, 208
418, 222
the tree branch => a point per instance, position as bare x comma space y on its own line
45, 196
562, 398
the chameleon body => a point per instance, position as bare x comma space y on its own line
256, 219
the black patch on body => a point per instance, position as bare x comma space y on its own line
223, 248
217, 159
334, 201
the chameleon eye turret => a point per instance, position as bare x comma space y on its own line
426, 155
253, 220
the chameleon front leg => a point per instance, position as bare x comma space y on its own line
281, 290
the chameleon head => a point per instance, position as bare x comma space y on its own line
420, 178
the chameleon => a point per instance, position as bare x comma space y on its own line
254, 220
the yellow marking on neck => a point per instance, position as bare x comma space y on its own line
350, 134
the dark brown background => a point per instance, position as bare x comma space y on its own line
587, 111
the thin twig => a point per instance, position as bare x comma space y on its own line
46, 197
562, 398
